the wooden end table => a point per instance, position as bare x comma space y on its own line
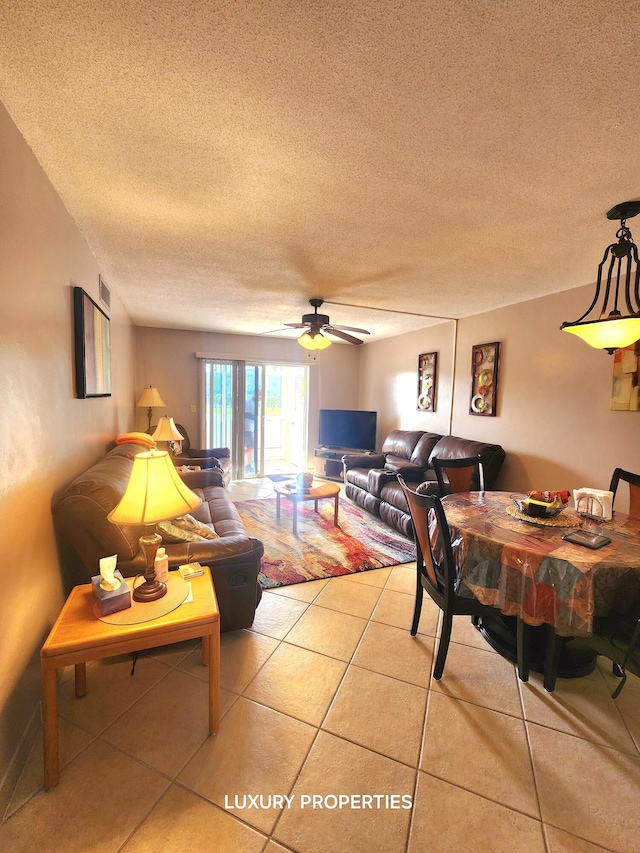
315, 493
79, 636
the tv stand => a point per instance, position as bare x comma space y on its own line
329, 461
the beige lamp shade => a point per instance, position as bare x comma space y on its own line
154, 493
151, 398
166, 430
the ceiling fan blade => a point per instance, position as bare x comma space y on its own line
296, 325
351, 329
343, 335
274, 331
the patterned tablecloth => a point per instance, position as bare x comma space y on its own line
527, 570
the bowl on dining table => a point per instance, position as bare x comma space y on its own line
537, 508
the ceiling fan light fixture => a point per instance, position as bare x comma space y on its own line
611, 329
315, 324
313, 340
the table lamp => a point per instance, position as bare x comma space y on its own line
150, 398
154, 493
167, 431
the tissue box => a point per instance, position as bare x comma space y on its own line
110, 601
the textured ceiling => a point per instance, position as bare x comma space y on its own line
226, 161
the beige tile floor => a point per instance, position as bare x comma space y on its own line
327, 696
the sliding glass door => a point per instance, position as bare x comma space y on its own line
285, 418
259, 411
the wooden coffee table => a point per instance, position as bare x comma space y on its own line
315, 493
79, 636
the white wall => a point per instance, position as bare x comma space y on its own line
389, 380
553, 413
48, 435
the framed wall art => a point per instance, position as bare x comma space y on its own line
427, 364
625, 390
484, 379
92, 347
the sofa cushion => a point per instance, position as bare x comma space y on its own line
358, 476
453, 447
172, 533
397, 518
393, 495
363, 498
401, 443
422, 450
186, 529
188, 522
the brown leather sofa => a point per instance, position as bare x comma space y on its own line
85, 535
371, 479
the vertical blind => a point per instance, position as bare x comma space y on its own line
219, 378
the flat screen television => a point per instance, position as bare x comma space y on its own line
342, 428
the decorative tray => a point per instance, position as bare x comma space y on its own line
567, 518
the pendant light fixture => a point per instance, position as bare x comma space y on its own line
611, 329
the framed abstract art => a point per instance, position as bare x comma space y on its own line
427, 365
484, 379
92, 347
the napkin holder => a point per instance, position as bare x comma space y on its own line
594, 503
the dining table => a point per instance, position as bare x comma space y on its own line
524, 568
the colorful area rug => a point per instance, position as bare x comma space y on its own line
320, 550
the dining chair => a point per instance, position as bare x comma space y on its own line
436, 574
618, 639
634, 489
459, 475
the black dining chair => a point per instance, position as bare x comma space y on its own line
634, 489
437, 575
616, 638
459, 475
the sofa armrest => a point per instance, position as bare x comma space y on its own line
226, 550
376, 479
410, 472
363, 460
203, 478
220, 452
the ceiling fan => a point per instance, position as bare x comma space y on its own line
313, 338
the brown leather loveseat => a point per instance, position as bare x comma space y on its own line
85, 534
371, 479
